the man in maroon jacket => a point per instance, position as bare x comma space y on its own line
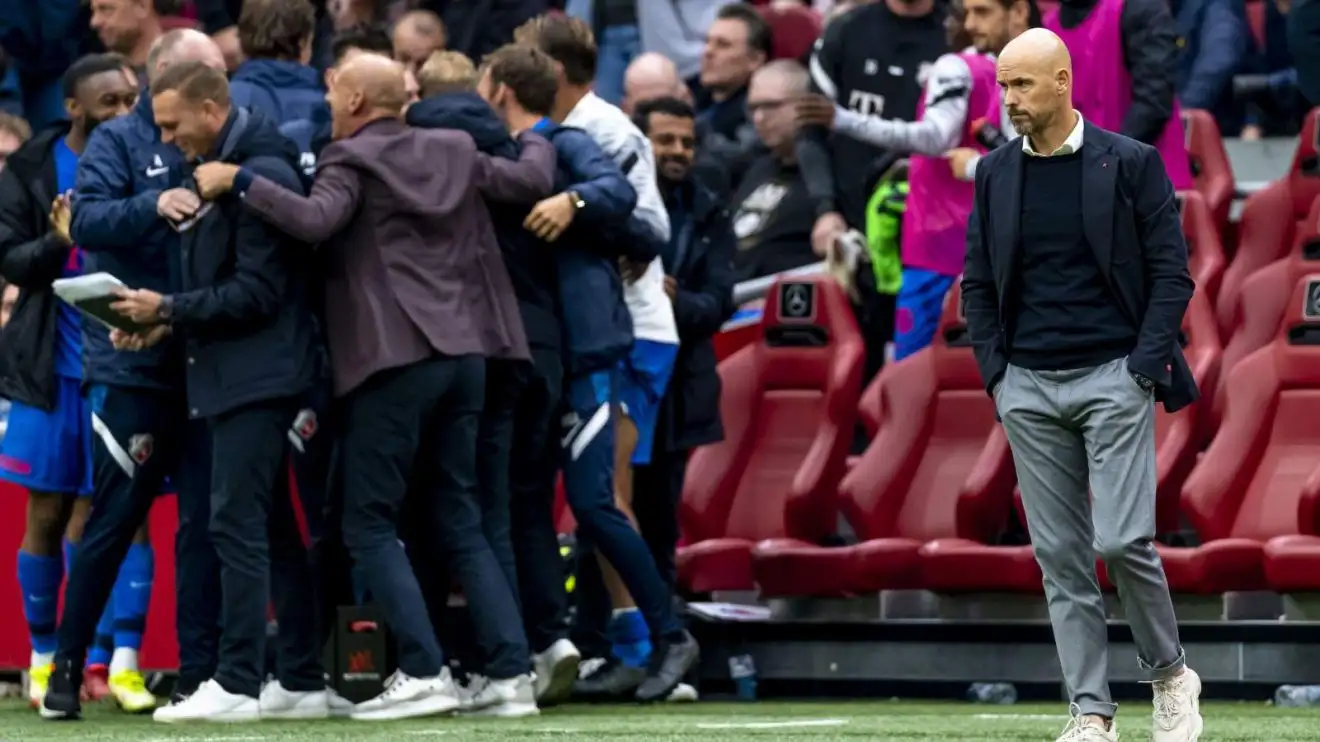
418, 298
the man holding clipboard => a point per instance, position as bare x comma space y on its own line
126, 198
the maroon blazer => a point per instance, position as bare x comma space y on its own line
412, 264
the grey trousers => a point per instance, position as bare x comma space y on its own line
1096, 427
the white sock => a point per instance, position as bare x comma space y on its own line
123, 659
620, 611
41, 659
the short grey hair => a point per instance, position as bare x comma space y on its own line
795, 76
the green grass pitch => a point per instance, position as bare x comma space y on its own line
891, 721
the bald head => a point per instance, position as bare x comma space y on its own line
651, 76
184, 45
1035, 72
379, 80
418, 35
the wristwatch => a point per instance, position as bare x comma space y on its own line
1147, 384
166, 308
576, 199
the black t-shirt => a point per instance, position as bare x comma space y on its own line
772, 219
873, 62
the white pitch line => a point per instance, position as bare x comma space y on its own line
1021, 717
223, 738
777, 724
426, 732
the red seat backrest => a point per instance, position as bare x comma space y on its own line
936, 418
789, 405
1250, 481
1205, 250
794, 30
1256, 21
1210, 164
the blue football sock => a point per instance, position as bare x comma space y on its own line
39, 578
630, 638
131, 598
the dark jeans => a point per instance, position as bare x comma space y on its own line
875, 318
540, 569
143, 436
426, 414
506, 382
261, 551
587, 456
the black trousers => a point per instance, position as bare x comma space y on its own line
424, 414
144, 436
535, 457
261, 551
875, 315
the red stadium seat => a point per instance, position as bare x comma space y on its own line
938, 468
1210, 165
1261, 306
789, 406
794, 30
1270, 219
1256, 22
1205, 250
1249, 486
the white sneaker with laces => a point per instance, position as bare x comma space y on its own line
1177, 716
554, 671
278, 703
339, 707
683, 693
1084, 729
509, 698
210, 703
406, 697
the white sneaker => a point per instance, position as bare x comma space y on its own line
509, 698
406, 697
683, 693
278, 703
1177, 714
340, 707
1082, 729
210, 703
554, 671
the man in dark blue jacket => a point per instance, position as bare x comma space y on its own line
276, 79
243, 310
127, 181
699, 279
590, 229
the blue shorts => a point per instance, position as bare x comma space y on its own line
642, 385
920, 306
51, 451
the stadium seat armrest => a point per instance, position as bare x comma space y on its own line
1308, 505
986, 498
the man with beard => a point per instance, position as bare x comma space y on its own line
49, 448
1074, 287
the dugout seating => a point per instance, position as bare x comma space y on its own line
1261, 306
1270, 220
1211, 168
789, 406
1205, 248
1250, 485
938, 468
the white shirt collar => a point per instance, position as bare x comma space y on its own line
1069, 146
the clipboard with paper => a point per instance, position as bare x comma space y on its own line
92, 295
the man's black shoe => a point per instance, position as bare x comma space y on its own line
61, 701
613, 680
670, 662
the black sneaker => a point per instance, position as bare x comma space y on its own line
613, 680
62, 694
670, 662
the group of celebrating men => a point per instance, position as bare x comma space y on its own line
401, 325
